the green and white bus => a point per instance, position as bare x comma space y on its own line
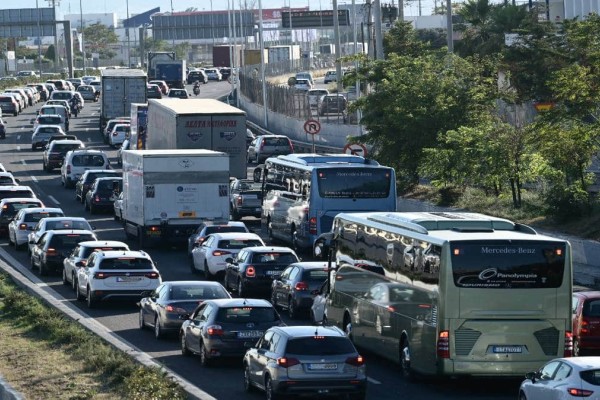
451, 293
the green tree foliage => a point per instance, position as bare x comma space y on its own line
403, 39
181, 50
98, 38
50, 53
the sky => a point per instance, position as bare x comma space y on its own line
139, 6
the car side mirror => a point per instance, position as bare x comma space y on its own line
315, 292
184, 317
532, 376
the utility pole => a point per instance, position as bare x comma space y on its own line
338, 46
54, 4
449, 26
128, 41
82, 40
39, 38
378, 30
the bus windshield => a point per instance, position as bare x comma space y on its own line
508, 265
362, 183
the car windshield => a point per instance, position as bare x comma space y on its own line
36, 216
224, 228
237, 244
125, 263
88, 161
91, 177
108, 185
69, 241
15, 193
197, 292
246, 314
320, 346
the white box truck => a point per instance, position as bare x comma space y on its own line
199, 124
120, 88
167, 193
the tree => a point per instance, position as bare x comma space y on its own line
50, 53
98, 38
181, 50
402, 39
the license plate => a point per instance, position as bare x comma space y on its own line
129, 278
249, 334
508, 349
272, 272
258, 209
321, 367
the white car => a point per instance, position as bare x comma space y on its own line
7, 179
119, 134
116, 275
24, 222
563, 378
56, 224
302, 85
213, 74
78, 258
211, 255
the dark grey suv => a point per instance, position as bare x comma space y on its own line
266, 146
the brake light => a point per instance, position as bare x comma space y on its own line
152, 275
23, 227
51, 251
100, 275
391, 308
239, 201
250, 272
218, 253
568, 344
215, 330
584, 326
357, 361
97, 199
286, 362
179, 310
443, 345
579, 392
5, 207
300, 286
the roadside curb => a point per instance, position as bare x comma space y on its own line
7, 392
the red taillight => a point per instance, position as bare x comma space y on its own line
100, 275
443, 345
391, 309
50, 251
68, 169
239, 201
584, 326
172, 309
312, 225
152, 275
250, 272
357, 361
568, 344
300, 286
579, 392
97, 199
218, 253
286, 362
291, 147
215, 330
23, 227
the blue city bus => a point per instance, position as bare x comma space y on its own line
302, 193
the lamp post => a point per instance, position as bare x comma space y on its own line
174, 31
39, 38
82, 40
262, 62
128, 41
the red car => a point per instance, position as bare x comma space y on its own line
586, 322
164, 88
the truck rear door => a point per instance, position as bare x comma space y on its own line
114, 97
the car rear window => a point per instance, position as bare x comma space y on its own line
591, 376
59, 225
35, 217
315, 275
320, 346
6, 99
91, 177
238, 244
591, 308
86, 160
62, 96
125, 263
108, 185
89, 250
13, 208
6, 180
246, 314
49, 120
16, 193
63, 148
277, 142
224, 228
69, 240
274, 258
196, 292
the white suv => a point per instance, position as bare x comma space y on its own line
78, 161
116, 275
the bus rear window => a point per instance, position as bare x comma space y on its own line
352, 183
508, 265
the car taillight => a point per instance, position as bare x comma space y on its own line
172, 309
97, 198
300, 286
152, 275
357, 361
239, 201
579, 392
23, 227
100, 275
68, 169
250, 272
584, 326
218, 253
291, 147
286, 362
50, 251
568, 344
215, 330
443, 345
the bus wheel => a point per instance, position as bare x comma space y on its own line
407, 372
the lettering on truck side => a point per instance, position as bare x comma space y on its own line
211, 124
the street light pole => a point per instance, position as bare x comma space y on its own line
82, 40
174, 30
262, 63
128, 41
39, 38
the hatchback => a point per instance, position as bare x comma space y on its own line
164, 307
42, 134
25, 221
211, 256
55, 152
253, 269
9, 105
208, 227
103, 193
197, 76
563, 378
56, 224
119, 133
110, 125
333, 104
305, 360
84, 183
213, 74
78, 258
225, 328
116, 275
49, 252
266, 146
78, 161
586, 322
297, 286
9, 207
178, 94
154, 92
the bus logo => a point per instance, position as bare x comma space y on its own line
488, 274
228, 135
195, 136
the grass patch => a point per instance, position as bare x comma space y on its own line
45, 355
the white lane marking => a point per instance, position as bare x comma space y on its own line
18, 137
33, 178
23, 162
18, 148
87, 129
53, 199
373, 381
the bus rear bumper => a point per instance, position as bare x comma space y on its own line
487, 368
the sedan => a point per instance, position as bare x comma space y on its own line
164, 307
164, 88
25, 221
178, 94
208, 227
225, 328
563, 378
154, 92
55, 224
211, 256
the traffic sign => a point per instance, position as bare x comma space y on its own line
312, 127
356, 149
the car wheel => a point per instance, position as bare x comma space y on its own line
293, 313
205, 361
269, 391
522, 396
73, 282
184, 350
64, 277
207, 275
240, 289
247, 382
405, 368
158, 332
91, 303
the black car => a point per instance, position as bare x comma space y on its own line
197, 76
55, 152
50, 250
103, 193
225, 72
85, 182
154, 92
162, 308
225, 328
253, 269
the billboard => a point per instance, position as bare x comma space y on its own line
313, 19
24, 22
195, 25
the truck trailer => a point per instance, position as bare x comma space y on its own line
172, 72
168, 193
198, 124
120, 88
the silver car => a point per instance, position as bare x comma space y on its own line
305, 360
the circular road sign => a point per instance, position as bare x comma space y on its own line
356, 149
312, 127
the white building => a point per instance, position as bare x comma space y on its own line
108, 19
